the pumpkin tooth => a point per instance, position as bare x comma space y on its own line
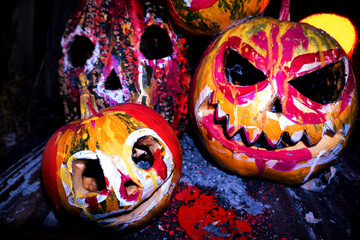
251, 134
329, 126
231, 129
220, 114
296, 136
273, 143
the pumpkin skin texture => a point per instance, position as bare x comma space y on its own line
210, 17
274, 99
127, 52
118, 168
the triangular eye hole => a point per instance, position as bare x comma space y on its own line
324, 85
155, 43
112, 82
80, 50
239, 71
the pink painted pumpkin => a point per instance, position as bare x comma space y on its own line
274, 99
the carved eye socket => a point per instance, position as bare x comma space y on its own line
239, 71
324, 85
155, 43
143, 152
80, 50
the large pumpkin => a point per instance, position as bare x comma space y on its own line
274, 99
127, 52
118, 168
210, 17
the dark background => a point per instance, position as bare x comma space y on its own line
31, 30
31, 109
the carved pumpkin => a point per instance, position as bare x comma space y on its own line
210, 17
128, 52
118, 168
274, 99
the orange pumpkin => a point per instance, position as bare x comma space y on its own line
118, 168
210, 17
274, 99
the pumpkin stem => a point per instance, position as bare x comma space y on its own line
88, 106
285, 10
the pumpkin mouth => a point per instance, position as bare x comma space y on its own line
137, 213
253, 137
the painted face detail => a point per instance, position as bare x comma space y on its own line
124, 51
279, 99
113, 168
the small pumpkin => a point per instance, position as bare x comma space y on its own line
118, 168
274, 99
210, 17
128, 52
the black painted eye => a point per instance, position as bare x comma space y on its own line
239, 71
112, 82
155, 43
324, 85
143, 152
80, 50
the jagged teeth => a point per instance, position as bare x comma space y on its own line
329, 125
252, 134
273, 143
296, 136
220, 114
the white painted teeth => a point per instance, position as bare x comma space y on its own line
220, 114
329, 126
296, 136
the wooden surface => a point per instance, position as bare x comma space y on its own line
210, 204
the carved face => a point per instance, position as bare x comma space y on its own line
127, 51
210, 17
274, 99
117, 168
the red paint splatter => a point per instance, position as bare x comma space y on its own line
201, 217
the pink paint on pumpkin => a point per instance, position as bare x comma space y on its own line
287, 159
197, 5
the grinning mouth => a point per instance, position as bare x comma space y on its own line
253, 137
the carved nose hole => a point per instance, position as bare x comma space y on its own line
113, 82
131, 187
276, 106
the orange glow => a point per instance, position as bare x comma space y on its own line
338, 27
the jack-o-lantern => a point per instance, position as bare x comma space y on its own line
118, 168
128, 52
210, 17
274, 99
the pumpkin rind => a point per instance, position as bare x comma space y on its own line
226, 114
212, 17
114, 44
106, 136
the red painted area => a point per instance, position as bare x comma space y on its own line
159, 165
201, 217
93, 204
197, 5
123, 192
49, 168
